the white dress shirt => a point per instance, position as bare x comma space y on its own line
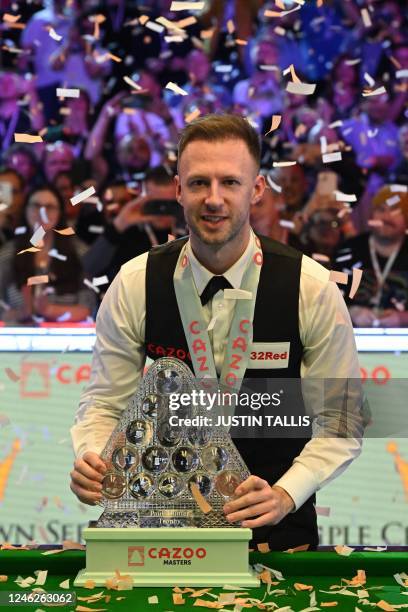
119, 358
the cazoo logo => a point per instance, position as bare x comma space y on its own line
380, 375
171, 556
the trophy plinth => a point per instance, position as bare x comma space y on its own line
169, 556
155, 471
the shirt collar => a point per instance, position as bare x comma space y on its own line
234, 274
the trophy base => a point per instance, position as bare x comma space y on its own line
168, 556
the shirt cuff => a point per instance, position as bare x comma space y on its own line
299, 482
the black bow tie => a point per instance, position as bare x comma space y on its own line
216, 283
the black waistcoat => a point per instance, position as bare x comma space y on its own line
276, 319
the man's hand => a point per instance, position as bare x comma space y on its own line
132, 214
256, 498
86, 478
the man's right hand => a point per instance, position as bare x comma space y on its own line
86, 478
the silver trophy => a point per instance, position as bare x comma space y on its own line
153, 465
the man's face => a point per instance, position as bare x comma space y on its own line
293, 183
57, 159
216, 185
393, 222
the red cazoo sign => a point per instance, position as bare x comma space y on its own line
137, 554
380, 375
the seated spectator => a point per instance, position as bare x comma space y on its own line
65, 185
132, 231
400, 174
64, 297
292, 180
12, 187
343, 86
75, 126
57, 157
382, 254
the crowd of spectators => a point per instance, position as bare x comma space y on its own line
324, 82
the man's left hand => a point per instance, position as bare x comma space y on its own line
256, 498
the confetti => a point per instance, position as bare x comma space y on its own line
301, 89
38, 235
343, 550
300, 548
132, 83
100, 280
54, 253
178, 599
88, 283
263, 547
291, 69
27, 138
365, 16
284, 164
54, 34
393, 200
63, 92
403, 188
338, 277
331, 157
176, 89
303, 587
383, 605
374, 92
200, 500
193, 115
84, 195
67, 231
29, 250
12, 375
156, 27
3, 578
320, 257
41, 577
153, 599
8, 18
64, 584
345, 197
287, 224
208, 604
276, 120
40, 279
274, 185
357, 274
187, 6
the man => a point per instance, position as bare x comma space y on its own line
382, 296
217, 184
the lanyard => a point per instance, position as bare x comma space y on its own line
381, 276
195, 329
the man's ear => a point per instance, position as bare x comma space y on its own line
259, 188
178, 189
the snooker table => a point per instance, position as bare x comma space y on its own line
320, 569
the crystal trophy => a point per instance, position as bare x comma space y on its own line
168, 477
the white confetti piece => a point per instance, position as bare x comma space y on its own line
338, 277
41, 577
301, 89
369, 79
84, 195
284, 164
237, 294
375, 223
344, 257
64, 584
100, 280
88, 283
375, 92
402, 74
375, 548
176, 89
21, 229
343, 551
331, 157
63, 92
393, 200
345, 197
43, 214
54, 253
153, 599
96, 229
54, 34
66, 316
212, 322
187, 6
156, 27
132, 83
274, 185
357, 274
335, 124
323, 510
287, 224
403, 188
38, 235
365, 16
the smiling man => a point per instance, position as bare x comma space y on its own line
164, 300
